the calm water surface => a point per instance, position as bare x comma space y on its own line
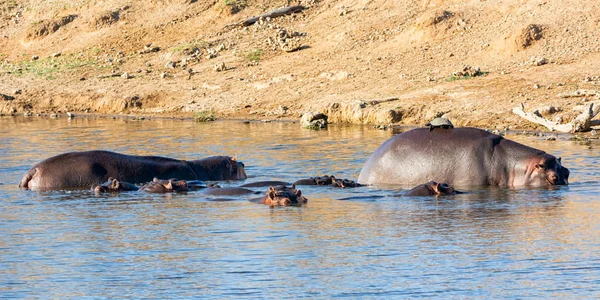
489, 243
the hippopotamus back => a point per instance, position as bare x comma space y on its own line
460, 156
84, 169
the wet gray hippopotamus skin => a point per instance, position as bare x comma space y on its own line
77, 170
461, 156
165, 186
432, 188
328, 180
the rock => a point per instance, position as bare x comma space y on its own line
35, 57
219, 67
468, 71
70, 115
313, 120
578, 93
6, 97
18, 92
537, 61
149, 49
56, 54
171, 65
54, 116
126, 75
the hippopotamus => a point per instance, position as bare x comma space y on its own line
461, 156
165, 186
327, 180
432, 188
264, 183
318, 180
114, 186
283, 196
227, 191
76, 170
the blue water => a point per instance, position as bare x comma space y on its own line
488, 243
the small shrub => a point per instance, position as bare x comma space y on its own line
254, 55
204, 116
235, 5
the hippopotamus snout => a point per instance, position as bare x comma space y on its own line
556, 174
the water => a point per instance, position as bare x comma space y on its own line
489, 243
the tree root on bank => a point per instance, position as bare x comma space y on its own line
272, 14
581, 123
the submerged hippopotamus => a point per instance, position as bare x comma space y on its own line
327, 180
461, 156
114, 186
165, 186
432, 188
75, 170
283, 196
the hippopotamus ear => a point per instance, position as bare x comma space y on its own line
559, 160
155, 179
115, 184
293, 186
234, 158
436, 187
169, 184
298, 193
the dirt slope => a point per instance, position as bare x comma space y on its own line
360, 61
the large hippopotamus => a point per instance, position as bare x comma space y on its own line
461, 156
76, 170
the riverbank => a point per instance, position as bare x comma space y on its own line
375, 62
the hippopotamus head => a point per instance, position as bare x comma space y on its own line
344, 183
218, 168
165, 186
432, 188
113, 186
284, 196
547, 170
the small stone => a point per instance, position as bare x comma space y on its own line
35, 57
70, 115
54, 116
126, 75
56, 54
6, 97
163, 75
171, 65
219, 67
536, 86
27, 114
18, 92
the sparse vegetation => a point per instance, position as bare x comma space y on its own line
236, 5
255, 55
204, 116
48, 68
468, 76
190, 47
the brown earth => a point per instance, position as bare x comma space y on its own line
359, 61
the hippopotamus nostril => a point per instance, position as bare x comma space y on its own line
553, 178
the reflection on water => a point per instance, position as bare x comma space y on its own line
488, 243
